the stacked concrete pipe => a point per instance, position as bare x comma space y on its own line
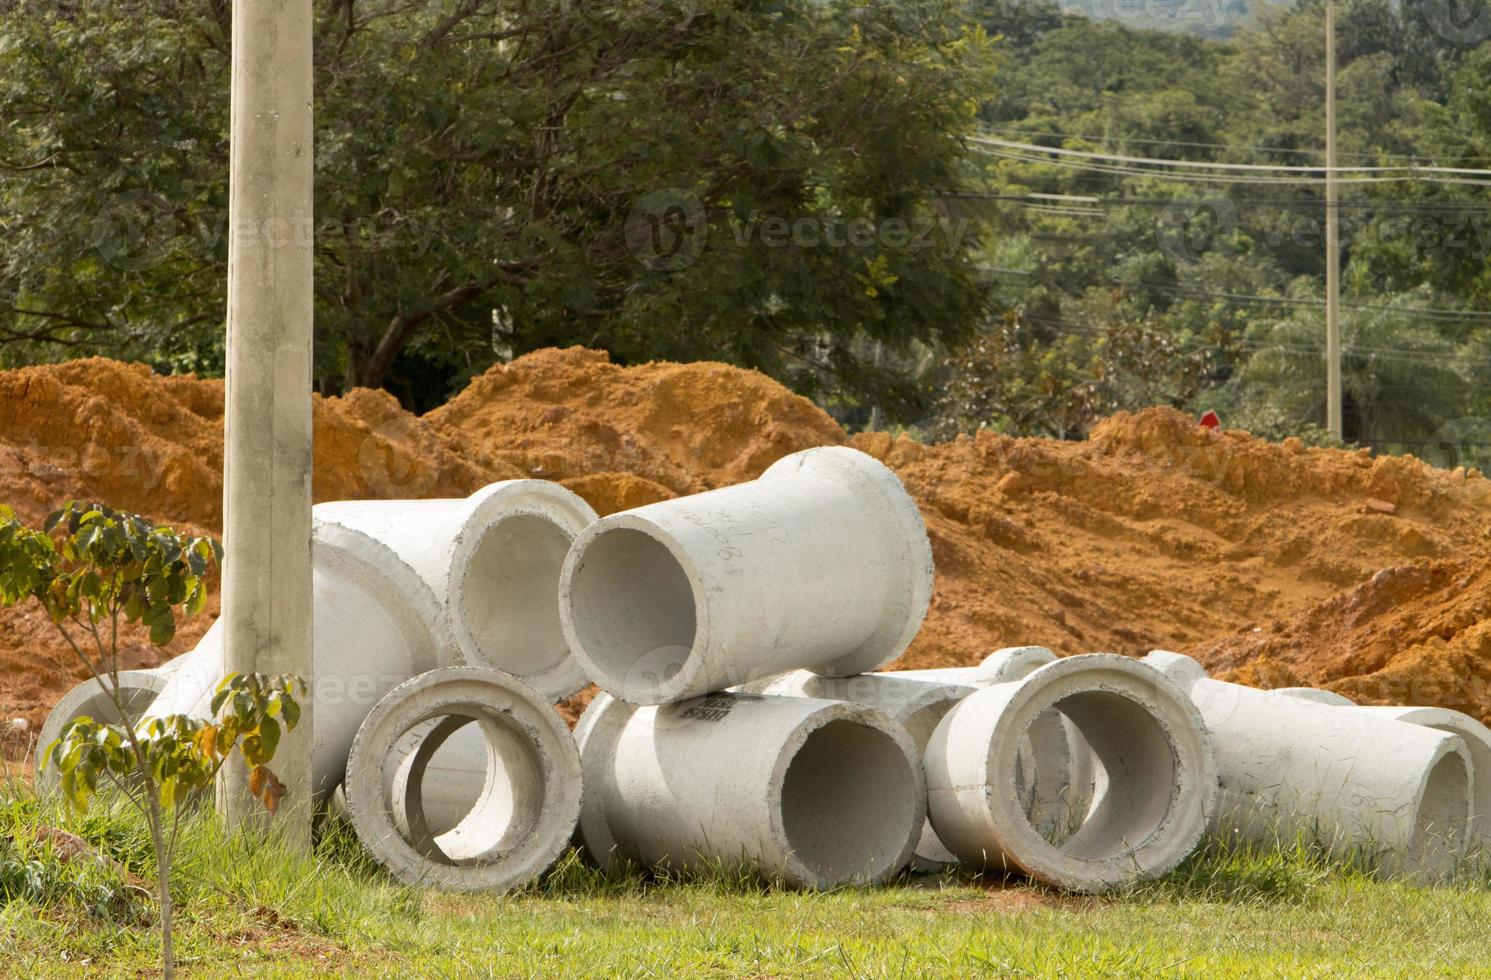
376, 625
1159, 785
817, 793
821, 564
1054, 774
492, 562
1477, 738
1354, 782
917, 705
527, 801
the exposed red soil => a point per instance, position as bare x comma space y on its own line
1272, 563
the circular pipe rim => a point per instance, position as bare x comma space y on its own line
568, 512
503, 699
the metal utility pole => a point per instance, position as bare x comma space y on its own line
267, 453
1332, 237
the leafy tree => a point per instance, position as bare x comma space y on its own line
1003, 381
1401, 378
486, 174
91, 568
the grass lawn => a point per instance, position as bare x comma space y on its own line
249, 908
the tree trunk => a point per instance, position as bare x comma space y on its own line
163, 875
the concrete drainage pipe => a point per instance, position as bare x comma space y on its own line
1159, 785
1352, 781
819, 793
138, 687
376, 625
1055, 772
822, 563
1477, 738
529, 797
916, 705
492, 561
1001, 666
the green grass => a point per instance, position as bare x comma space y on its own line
251, 908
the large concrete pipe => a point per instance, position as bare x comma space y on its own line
529, 796
915, 704
376, 625
92, 699
818, 793
1351, 781
492, 561
822, 563
1056, 774
1159, 786
1477, 739
999, 667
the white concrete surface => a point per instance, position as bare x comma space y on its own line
1158, 786
266, 573
1477, 738
822, 563
915, 704
492, 561
530, 796
92, 699
377, 624
818, 793
1351, 781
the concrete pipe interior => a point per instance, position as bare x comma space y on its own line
510, 596
100, 707
473, 786
633, 608
1131, 784
1055, 777
1439, 830
848, 798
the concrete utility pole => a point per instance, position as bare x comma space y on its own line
1332, 237
267, 457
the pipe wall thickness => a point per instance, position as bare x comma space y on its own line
530, 793
1158, 784
492, 561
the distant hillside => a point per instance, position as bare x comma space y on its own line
1218, 19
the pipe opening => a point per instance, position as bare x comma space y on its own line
467, 786
510, 594
1116, 806
1439, 832
848, 800
632, 608
100, 707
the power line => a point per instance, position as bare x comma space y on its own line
1236, 173
1369, 155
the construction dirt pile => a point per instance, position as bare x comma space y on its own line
1274, 564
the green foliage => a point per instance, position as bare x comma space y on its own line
480, 170
91, 566
1006, 381
92, 563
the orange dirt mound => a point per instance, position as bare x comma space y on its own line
1263, 559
